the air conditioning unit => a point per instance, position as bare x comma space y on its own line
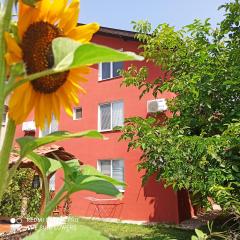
157, 105
28, 126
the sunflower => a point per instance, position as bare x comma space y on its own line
37, 27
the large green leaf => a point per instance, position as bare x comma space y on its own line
70, 232
46, 165
57, 165
43, 163
75, 180
71, 54
89, 170
28, 144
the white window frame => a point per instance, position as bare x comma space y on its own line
111, 70
111, 160
99, 115
74, 113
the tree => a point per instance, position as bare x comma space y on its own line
198, 148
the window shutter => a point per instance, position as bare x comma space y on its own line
117, 114
105, 116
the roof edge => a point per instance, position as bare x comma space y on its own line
125, 34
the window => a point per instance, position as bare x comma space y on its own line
53, 127
77, 113
52, 181
4, 119
110, 115
109, 70
112, 168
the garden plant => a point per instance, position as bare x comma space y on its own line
198, 147
44, 56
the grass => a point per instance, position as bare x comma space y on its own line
137, 232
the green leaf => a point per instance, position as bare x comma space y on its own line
28, 144
194, 238
30, 3
89, 170
75, 180
43, 163
71, 54
67, 231
17, 69
57, 165
201, 235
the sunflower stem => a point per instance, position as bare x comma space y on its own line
5, 155
5, 18
51, 206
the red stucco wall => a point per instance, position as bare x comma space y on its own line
149, 203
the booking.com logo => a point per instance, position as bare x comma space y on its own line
16, 220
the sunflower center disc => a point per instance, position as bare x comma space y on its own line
38, 56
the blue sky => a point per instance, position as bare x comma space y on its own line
119, 14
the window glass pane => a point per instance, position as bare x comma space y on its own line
117, 114
105, 116
118, 171
4, 118
106, 70
116, 67
78, 113
52, 183
105, 167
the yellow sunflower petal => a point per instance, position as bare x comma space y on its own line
47, 101
65, 101
44, 8
56, 106
16, 110
41, 112
29, 15
56, 10
12, 46
76, 76
81, 70
36, 111
22, 9
83, 33
11, 59
70, 17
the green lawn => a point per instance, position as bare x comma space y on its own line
132, 231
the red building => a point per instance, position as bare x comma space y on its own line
105, 106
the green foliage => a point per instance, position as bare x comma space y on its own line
201, 235
198, 147
21, 186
